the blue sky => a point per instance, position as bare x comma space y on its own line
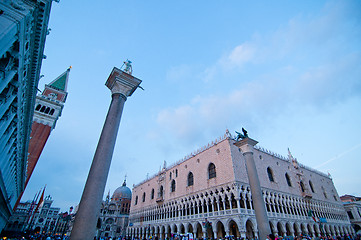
287, 71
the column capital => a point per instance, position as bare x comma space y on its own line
246, 144
122, 82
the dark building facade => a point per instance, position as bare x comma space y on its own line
24, 26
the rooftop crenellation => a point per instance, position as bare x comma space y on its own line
225, 136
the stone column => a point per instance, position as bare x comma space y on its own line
246, 145
238, 204
122, 85
204, 233
215, 234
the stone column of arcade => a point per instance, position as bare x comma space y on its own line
122, 84
246, 145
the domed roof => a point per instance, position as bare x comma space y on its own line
122, 192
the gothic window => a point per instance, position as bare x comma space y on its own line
160, 194
42, 109
136, 200
324, 194
270, 174
190, 179
311, 186
47, 110
176, 173
172, 187
52, 111
302, 186
143, 197
152, 194
170, 176
211, 171
288, 180
38, 107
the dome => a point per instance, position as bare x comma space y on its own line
122, 192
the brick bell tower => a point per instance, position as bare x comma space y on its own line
48, 107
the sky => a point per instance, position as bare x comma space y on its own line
287, 71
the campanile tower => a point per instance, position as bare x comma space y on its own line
48, 107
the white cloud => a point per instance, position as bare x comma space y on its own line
179, 120
239, 56
295, 65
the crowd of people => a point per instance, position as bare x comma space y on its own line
186, 237
307, 237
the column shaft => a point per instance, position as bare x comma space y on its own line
89, 207
258, 203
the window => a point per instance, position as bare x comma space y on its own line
143, 197
211, 171
152, 194
38, 107
136, 200
176, 173
190, 179
172, 187
302, 186
288, 180
311, 186
350, 215
170, 176
160, 193
324, 192
270, 174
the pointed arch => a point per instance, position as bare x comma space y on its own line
270, 174
172, 186
211, 171
288, 180
38, 107
190, 179
311, 186
302, 186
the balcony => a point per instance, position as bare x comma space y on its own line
159, 199
306, 195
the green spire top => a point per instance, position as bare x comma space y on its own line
61, 82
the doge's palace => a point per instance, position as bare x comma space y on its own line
208, 194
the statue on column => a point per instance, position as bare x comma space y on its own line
128, 67
241, 136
